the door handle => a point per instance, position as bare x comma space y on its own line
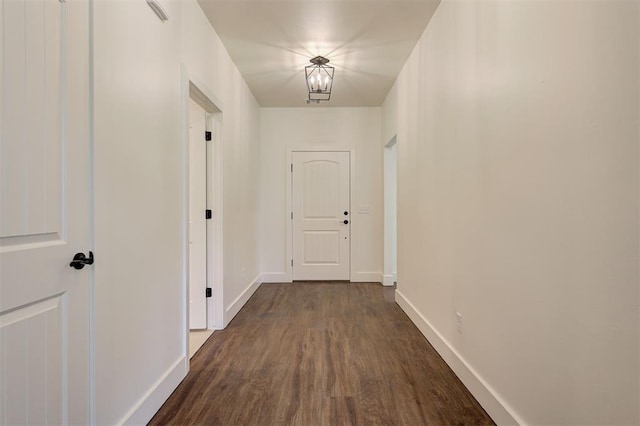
79, 260
346, 222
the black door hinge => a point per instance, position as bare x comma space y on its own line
208, 214
207, 136
208, 292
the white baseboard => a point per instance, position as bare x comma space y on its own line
366, 277
153, 399
359, 277
276, 277
388, 280
488, 398
237, 304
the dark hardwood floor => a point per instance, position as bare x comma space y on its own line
320, 354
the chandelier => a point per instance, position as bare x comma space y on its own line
319, 80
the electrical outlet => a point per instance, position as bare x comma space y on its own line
459, 322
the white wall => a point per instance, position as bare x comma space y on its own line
322, 129
518, 138
140, 318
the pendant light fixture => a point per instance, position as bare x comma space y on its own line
319, 80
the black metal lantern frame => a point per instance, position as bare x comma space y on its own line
319, 79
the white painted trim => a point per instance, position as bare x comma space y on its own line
210, 126
366, 277
352, 178
390, 234
289, 250
216, 302
353, 230
392, 141
202, 99
240, 301
488, 398
388, 280
276, 277
212, 99
157, 394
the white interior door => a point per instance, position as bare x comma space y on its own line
321, 215
45, 193
197, 220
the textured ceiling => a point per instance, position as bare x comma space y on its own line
367, 41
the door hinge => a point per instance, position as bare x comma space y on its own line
207, 136
208, 214
208, 292
291, 262
291, 215
291, 167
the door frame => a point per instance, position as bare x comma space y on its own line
195, 141
192, 89
354, 232
390, 154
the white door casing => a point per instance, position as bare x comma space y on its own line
197, 221
321, 229
390, 212
45, 212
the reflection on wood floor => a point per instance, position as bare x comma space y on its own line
320, 353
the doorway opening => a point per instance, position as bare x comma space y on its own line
390, 274
198, 282
203, 217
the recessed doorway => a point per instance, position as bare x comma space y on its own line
197, 217
390, 275
203, 216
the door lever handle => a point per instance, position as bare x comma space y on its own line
79, 260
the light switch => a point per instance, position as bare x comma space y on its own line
363, 209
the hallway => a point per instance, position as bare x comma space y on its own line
516, 130
320, 353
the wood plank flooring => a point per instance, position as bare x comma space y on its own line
320, 353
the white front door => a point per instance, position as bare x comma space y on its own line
321, 215
197, 220
45, 193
